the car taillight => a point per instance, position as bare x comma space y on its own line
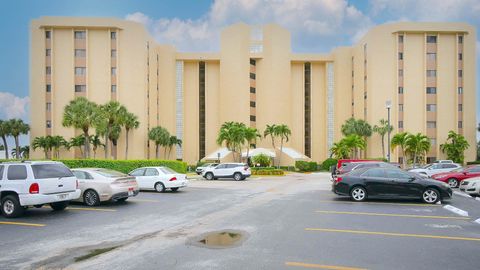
34, 188
245, 168
173, 179
339, 179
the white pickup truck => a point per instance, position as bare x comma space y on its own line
35, 183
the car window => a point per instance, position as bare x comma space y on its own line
474, 169
151, 172
17, 172
221, 166
110, 173
397, 174
233, 166
138, 172
375, 172
43, 171
1, 172
166, 170
448, 166
79, 175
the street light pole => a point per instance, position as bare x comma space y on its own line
388, 104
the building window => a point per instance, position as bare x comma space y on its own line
48, 70
400, 56
80, 53
49, 124
48, 52
252, 76
48, 34
460, 56
307, 108
80, 34
80, 71
431, 73
253, 62
431, 90
252, 104
201, 109
431, 124
400, 107
400, 124
252, 90
49, 88
460, 124
113, 35
431, 107
400, 39
460, 90
460, 73
460, 107
400, 90
400, 72
49, 106
114, 53
80, 88
433, 141
460, 39
253, 118
114, 88
431, 39
114, 71
431, 56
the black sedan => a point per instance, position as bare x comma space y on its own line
390, 183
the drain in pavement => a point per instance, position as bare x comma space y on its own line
219, 239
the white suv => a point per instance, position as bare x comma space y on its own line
237, 171
35, 183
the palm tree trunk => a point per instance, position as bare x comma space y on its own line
105, 148
281, 153
86, 153
126, 143
114, 149
4, 139
46, 153
17, 147
365, 149
404, 161
383, 146
156, 151
94, 153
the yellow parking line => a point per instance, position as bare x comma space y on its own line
321, 266
21, 224
380, 203
91, 209
389, 215
395, 234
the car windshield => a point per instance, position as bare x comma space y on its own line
461, 169
427, 166
43, 171
166, 170
110, 173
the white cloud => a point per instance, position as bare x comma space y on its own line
12, 106
331, 21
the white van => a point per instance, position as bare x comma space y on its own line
35, 183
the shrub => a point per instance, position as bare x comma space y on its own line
327, 163
124, 166
261, 159
262, 168
306, 166
268, 172
476, 162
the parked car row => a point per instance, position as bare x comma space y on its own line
37, 183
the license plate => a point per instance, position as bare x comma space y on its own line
62, 196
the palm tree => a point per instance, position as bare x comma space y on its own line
349, 127
455, 147
160, 136
130, 121
113, 136
81, 113
44, 142
251, 135
417, 144
96, 142
4, 133
400, 139
282, 131
339, 150
233, 135
354, 143
359, 127
56, 143
25, 151
77, 141
173, 141
382, 130
17, 128
110, 117
270, 131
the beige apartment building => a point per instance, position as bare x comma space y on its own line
426, 70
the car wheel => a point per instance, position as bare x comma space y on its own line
159, 187
11, 207
452, 182
59, 206
91, 198
431, 196
237, 176
174, 189
209, 176
122, 199
358, 194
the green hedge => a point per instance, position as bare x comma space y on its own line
327, 163
306, 166
473, 162
124, 166
262, 168
268, 172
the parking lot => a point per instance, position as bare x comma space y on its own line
291, 222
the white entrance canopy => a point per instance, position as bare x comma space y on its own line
219, 154
258, 151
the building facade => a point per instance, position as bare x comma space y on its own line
426, 70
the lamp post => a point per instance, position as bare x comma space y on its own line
388, 104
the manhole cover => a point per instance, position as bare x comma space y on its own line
219, 239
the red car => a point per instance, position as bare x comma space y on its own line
454, 177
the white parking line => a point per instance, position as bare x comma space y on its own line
477, 198
477, 221
456, 210
462, 194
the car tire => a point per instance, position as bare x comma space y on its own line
159, 187
122, 199
430, 195
452, 182
11, 207
237, 176
174, 189
59, 206
91, 198
209, 176
358, 194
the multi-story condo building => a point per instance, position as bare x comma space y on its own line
425, 70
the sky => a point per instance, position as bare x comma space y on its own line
315, 26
